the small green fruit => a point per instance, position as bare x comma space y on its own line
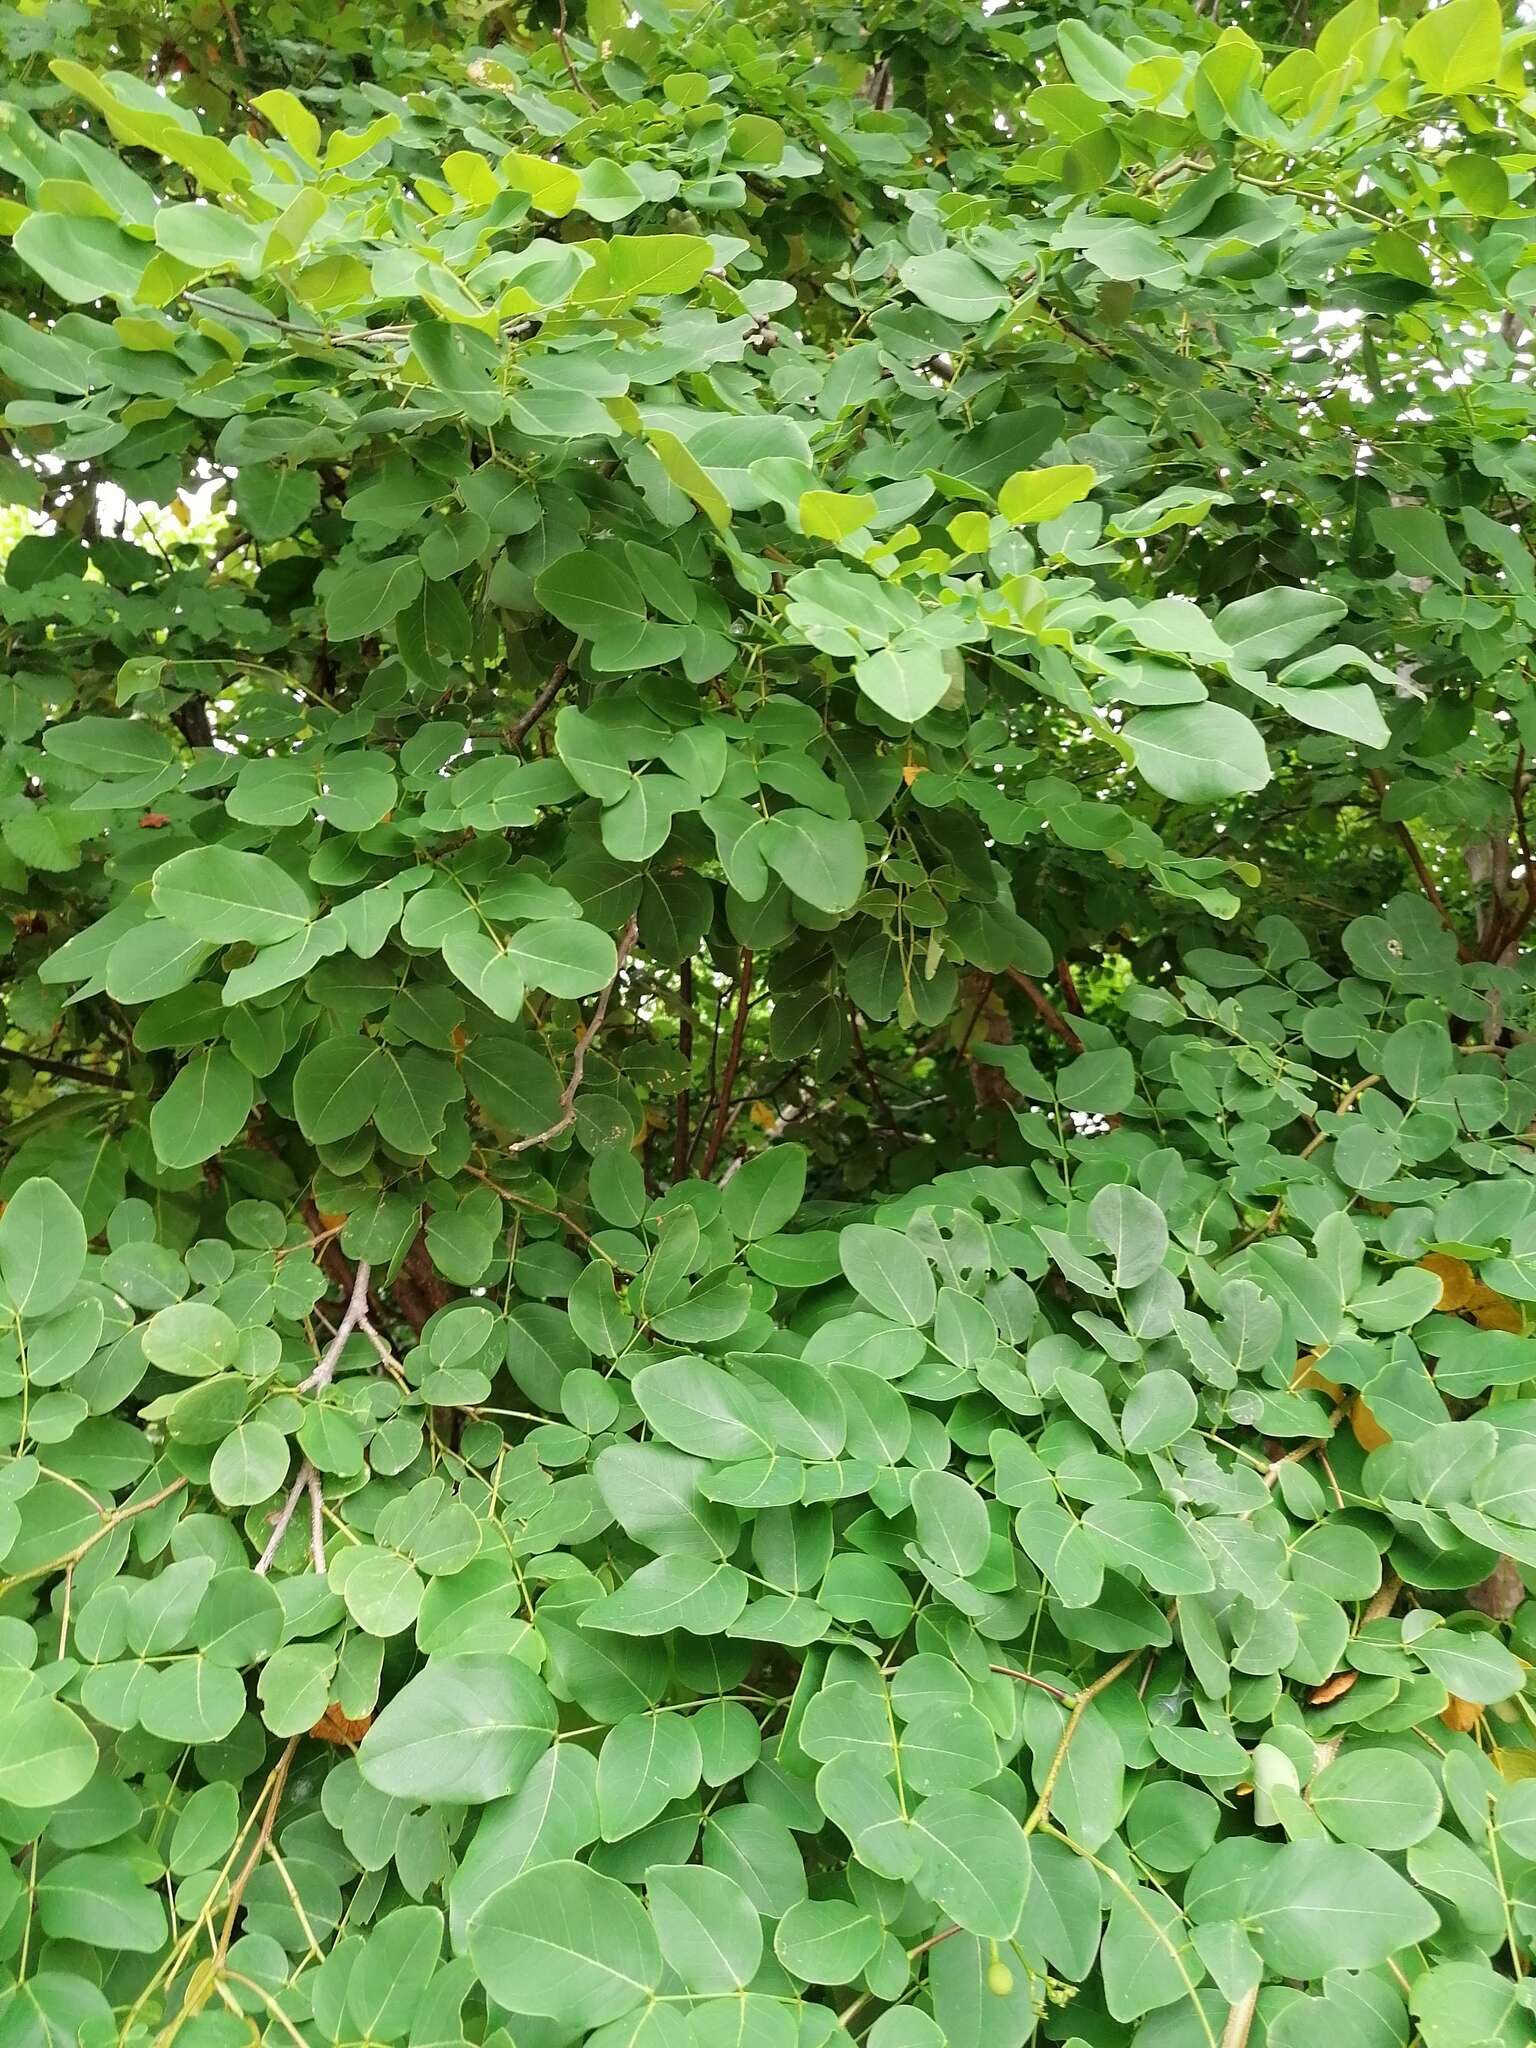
999, 1979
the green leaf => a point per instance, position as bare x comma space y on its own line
1197, 753
646, 1761
766, 1193
465, 1729
564, 957
826, 1941
47, 1754
100, 1900
567, 1944
389, 1980
709, 1931
820, 859
890, 1273
952, 1524
975, 1862
1457, 46
954, 284
1031, 495
1318, 1906
364, 599
222, 896
1376, 1798
205, 1108
42, 1247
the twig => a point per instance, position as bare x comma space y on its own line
852, 2010
285, 1515
1295, 1456
681, 1143
355, 1318
861, 1060
1416, 859
1029, 1678
108, 1523
1239, 2019
316, 1521
274, 1798
732, 1062
1080, 1705
1346, 1102
590, 1030
565, 57
65, 1071
792, 1113
1069, 987
519, 731
1049, 1015
236, 44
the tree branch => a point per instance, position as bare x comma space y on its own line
1416, 859
65, 1071
1047, 1011
732, 1062
590, 1030
519, 731
682, 1143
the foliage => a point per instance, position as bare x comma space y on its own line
768, 1211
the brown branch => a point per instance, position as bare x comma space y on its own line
1069, 987
732, 1062
565, 57
65, 1071
681, 1143
274, 1798
1047, 1011
1415, 858
520, 729
861, 1061
1029, 1678
1522, 833
236, 44
593, 1025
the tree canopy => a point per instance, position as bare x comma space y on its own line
768, 1255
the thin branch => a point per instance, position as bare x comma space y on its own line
861, 1060
1047, 1011
274, 1799
1416, 859
1521, 831
316, 1521
565, 57
285, 1515
682, 1144
732, 1062
1029, 1678
519, 731
1239, 2019
236, 44
1064, 975
104, 1527
593, 1025
1080, 1705
355, 1317
66, 1072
